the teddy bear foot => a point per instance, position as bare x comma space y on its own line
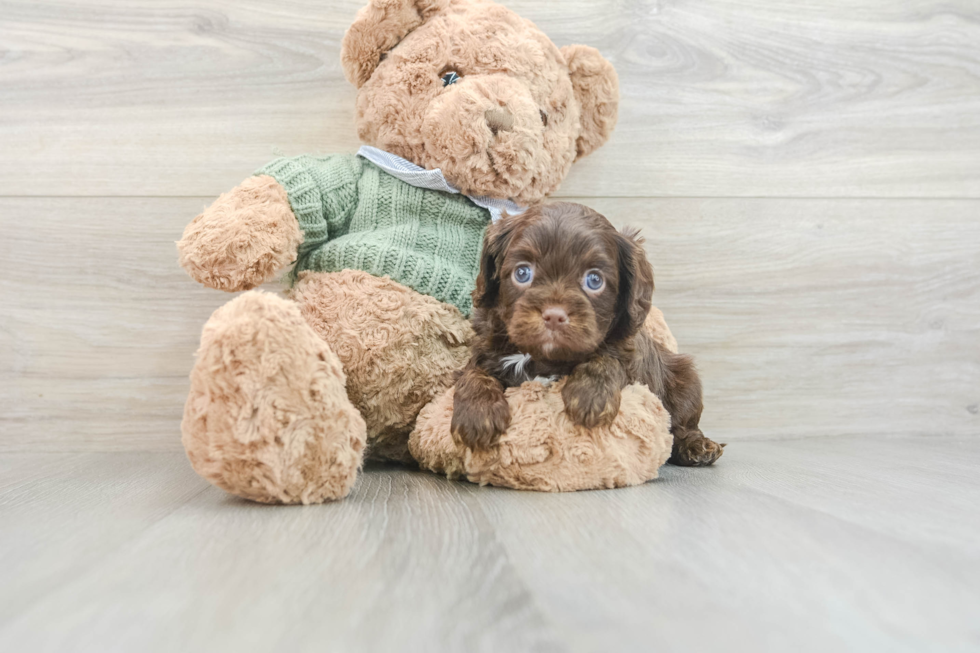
268, 417
693, 449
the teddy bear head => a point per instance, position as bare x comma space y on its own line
471, 88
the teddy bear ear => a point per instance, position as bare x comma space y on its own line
377, 28
596, 87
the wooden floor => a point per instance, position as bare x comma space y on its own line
820, 544
807, 176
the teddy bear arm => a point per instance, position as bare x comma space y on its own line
290, 208
243, 238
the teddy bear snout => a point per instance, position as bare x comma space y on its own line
499, 120
486, 134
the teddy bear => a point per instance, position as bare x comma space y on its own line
467, 111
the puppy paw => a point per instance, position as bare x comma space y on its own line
479, 422
589, 404
693, 449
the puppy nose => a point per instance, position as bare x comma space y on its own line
554, 317
499, 120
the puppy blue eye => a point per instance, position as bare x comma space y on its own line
593, 281
523, 274
450, 78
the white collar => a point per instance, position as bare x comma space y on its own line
433, 180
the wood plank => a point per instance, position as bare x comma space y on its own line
411, 559
803, 545
898, 487
829, 98
63, 514
782, 546
807, 318
100, 325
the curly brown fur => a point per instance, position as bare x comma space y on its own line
562, 293
482, 414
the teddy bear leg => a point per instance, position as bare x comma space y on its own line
399, 348
268, 417
241, 240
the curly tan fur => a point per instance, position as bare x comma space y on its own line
241, 240
377, 28
543, 450
520, 113
269, 416
270, 428
246, 421
400, 349
596, 87
656, 326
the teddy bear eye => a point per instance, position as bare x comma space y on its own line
450, 77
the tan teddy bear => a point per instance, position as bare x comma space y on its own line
469, 111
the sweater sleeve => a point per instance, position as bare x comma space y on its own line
322, 192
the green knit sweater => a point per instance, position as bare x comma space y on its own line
356, 216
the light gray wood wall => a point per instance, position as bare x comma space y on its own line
807, 175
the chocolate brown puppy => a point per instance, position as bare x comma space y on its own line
562, 293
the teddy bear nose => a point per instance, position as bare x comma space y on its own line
499, 120
554, 317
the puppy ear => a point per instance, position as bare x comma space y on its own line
377, 28
635, 286
495, 243
596, 86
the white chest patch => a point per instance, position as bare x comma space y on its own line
517, 363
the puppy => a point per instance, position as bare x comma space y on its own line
560, 292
